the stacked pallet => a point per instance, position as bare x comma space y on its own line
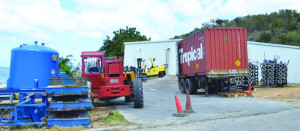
70, 103
233, 93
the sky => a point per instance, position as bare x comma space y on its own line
73, 26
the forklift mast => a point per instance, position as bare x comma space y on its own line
139, 62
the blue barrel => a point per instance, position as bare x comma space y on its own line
32, 66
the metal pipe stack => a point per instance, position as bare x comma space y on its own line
282, 74
251, 78
274, 74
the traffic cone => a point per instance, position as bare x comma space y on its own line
188, 105
250, 91
180, 113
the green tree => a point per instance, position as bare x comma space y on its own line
265, 36
65, 65
221, 22
282, 27
115, 46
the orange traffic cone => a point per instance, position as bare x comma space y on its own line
250, 91
179, 109
188, 105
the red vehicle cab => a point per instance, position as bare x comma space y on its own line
106, 76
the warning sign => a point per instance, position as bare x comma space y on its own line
53, 72
238, 63
196, 65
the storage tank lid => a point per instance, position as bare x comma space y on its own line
30, 48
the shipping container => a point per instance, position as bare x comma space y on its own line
211, 56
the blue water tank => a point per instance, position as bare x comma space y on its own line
31, 66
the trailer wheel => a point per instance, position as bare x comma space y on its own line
221, 84
189, 86
195, 87
179, 83
161, 74
182, 86
138, 100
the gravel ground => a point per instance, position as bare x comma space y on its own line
287, 94
212, 113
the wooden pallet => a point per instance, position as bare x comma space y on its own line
238, 91
232, 94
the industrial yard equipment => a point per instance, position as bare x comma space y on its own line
153, 70
70, 103
140, 71
26, 111
31, 66
30, 69
108, 79
274, 74
252, 78
210, 57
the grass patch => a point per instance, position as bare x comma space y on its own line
116, 119
99, 118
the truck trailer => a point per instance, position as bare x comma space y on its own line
209, 58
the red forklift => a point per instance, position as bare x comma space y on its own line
108, 81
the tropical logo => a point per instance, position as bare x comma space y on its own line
192, 55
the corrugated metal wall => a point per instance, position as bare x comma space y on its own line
153, 49
257, 51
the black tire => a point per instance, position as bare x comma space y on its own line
128, 82
218, 86
221, 85
144, 77
161, 74
182, 86
195, 87
128, 98
179, 82
138, 99
189, 86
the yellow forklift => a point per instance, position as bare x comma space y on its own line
152, 71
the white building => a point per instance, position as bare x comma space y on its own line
257, 52
165, 53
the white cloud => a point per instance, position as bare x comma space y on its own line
94, 19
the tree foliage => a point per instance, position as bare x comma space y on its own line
115, 46
187, 34
65, 65
282, 27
